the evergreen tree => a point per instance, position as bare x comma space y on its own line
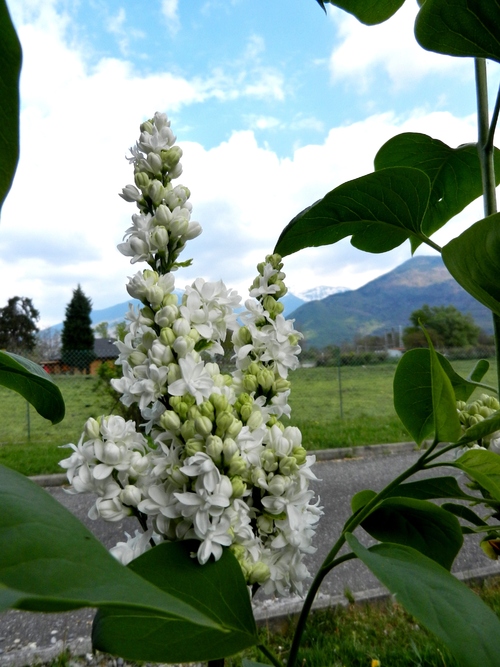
77, 338
18, 327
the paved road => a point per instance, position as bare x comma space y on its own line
339, 480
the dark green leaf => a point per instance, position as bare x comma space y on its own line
10, 67
217, 590
440, 602
33, 383
484, 467
49, 561
380, 211
464, 512
455, 173
473, 259
460, 27
413, 396
481, 429
418, 524
431, 489
369, 13
361, 498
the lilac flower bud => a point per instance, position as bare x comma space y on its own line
167, 336
92, 429
142, 181
255, 420
188, 430
147, 127
234, 428
250, 382
193, 231
156, 192
155, 163
193, 446
181, 327
265, 524
239, 486
259, 574
171, 157
237, 466
203, 426
130, 193
170, 421
159, 238
163, 216
130, 495
229, 449
214, 448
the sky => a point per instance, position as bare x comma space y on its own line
273, 104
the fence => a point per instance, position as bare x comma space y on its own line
321, 396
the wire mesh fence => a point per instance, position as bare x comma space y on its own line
346, 386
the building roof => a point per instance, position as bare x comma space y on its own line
105, 348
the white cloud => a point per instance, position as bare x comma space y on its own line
63, 218
170, 11
391, 46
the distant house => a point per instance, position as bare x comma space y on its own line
104, 350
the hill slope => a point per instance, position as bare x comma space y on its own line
385, 304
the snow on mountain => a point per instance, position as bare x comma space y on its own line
318, 293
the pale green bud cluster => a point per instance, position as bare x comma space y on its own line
476, 411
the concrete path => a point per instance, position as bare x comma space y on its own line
26, 637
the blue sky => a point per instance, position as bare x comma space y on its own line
273, 103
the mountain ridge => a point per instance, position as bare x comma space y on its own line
386, 303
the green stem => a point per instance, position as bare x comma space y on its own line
486, 152
269, 655
331, 561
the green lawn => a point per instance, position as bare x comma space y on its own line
30, 444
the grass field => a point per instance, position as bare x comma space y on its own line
30, 444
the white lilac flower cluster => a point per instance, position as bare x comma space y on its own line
215, 463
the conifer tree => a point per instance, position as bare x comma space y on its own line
77, 338
18, 327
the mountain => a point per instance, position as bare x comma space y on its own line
386, 303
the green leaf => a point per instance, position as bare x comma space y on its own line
444, 605
447, 427
34, 384
417, 386
481, 429
465, 513
418, 524
473, 259
478, 372
460, 27
431, 489
10, 68
380, 211
250, 663
362, 498
369, 13
49, 561
217, 590
463, 388
484, 467
455, 173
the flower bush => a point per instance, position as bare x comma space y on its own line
211, 460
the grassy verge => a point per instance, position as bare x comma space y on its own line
378, 634
359, 634
355, 409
